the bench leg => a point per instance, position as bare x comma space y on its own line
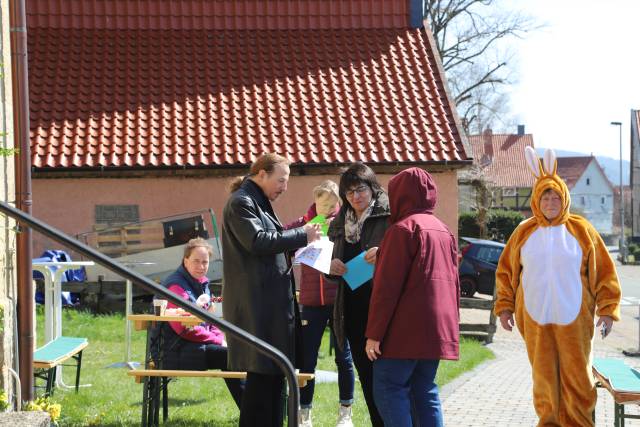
51, 379
618, 415
153, 410
165, 399
78, 366
145, 401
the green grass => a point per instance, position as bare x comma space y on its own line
114, 399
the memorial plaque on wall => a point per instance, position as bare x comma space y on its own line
117, 214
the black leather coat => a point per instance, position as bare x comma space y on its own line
258, 289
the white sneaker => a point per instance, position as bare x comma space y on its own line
304, 417
344, 417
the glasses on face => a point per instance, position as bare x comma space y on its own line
358, 190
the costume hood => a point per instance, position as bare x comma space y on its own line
546, 175
411, 191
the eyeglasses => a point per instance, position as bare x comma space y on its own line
359, 190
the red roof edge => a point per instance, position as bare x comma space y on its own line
452, 106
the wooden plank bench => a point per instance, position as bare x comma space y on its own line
622, 381
47, 358
157, 380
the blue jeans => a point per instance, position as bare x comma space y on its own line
317, 319
405, 392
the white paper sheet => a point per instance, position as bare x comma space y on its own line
316, 255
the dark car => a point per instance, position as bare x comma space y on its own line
478, 264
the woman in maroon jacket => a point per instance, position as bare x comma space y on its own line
317, 295
413, 315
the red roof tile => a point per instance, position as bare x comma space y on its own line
571, 168
217, 14
167, 98
501, 156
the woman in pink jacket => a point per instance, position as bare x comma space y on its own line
413, 314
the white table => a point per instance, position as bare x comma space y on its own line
53, 301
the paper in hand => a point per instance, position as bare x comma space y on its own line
316, 255
358, 272
322, 220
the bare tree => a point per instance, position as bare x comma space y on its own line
469, 35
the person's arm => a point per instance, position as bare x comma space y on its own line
203, 334
395, 257
244, 223
508, 279
603, 279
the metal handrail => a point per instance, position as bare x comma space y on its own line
148, 285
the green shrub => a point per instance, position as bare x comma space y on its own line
500, 224
468, 225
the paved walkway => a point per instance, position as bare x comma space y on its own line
499, 391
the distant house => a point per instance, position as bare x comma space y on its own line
635, 175
499, 159
592, 194
147, 109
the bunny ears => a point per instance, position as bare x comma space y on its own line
548, 166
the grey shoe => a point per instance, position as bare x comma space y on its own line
304, 417
344, 417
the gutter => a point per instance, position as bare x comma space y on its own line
20, 86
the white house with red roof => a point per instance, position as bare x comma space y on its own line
149, 107
592, 194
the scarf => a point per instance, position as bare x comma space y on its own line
353, 225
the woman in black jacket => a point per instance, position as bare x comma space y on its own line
258, 289
359, 227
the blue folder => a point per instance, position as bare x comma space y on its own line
358, 272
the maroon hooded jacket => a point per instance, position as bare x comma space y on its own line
414, 308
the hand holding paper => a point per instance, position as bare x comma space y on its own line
317, 255
358, 271
322, 220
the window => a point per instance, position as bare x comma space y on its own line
117, 214
489, 254
588, 181
602, 199
582, 201
508, 192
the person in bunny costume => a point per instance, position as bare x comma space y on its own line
555, 275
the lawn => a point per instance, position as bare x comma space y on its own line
114, 399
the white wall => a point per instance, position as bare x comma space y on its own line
593, 196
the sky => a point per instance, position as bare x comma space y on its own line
577, 74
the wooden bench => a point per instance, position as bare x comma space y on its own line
622, 381
157, 381
47, 358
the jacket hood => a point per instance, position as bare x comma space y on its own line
411, 191
546, 173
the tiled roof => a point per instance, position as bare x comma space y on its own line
198, 98
217, 14
501, 157
572, 168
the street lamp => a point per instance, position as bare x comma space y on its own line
622, 248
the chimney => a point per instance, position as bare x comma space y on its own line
487, 139
520, 130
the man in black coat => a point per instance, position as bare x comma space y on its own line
258, 292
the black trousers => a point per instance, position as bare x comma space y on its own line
364, 366
262, 401
217, 359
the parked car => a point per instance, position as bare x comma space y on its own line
477, 265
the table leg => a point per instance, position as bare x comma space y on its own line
48, 305
127, 325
